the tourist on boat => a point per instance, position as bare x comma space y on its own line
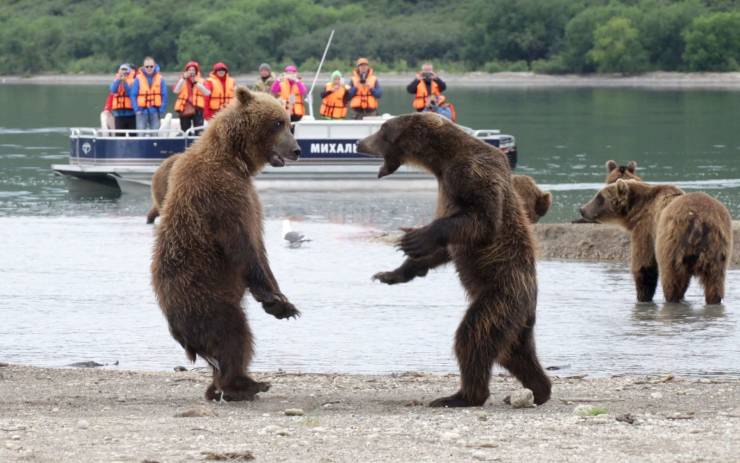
149, 96
335, 98
425, 85
440, 105
289, 89
221, 86
124, 117
191, 95
365, 90
265, 79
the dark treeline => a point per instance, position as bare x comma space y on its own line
548, 36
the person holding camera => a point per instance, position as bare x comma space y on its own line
424, 86
222, 87
191, 95
149, 96
124, 117
365, 90
334, 98
265, 80
290, 90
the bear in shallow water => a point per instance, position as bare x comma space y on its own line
481, 227
674, 235
209, 249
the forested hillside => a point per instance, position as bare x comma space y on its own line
550, 36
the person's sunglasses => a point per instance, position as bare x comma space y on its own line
149, 67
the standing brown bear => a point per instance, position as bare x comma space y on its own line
160, 181
209, 247
675, 235
481, 228
535, 202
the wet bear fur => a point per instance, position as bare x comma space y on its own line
160, 180
674, 235
482, 229
209, 249
535, 202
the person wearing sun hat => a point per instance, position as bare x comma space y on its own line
290, 90
222, 88
265, 79
334, 98
365, 90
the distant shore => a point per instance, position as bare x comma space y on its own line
80, 415
656, 80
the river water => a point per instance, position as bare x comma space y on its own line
74, 284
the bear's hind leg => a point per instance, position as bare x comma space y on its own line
477, 342
714, 285
675, 281
522, 362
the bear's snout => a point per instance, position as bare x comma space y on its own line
297, 153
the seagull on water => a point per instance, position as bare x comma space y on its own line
294, 238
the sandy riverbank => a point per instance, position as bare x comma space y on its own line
656, 80
592, 242
83, 415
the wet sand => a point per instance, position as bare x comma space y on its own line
590, 242
655, 80
81, 415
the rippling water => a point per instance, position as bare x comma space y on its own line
74, 283
79, 289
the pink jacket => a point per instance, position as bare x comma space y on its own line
276, 86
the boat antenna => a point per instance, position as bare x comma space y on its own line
316, 77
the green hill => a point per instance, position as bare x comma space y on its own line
555, 36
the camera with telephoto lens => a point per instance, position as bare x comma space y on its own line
426, 75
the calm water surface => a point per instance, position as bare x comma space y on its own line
74, 284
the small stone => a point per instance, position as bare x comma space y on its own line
449, 436
15, 437
180, 368
589, 410
83, 424
294, 412
523, 398
55, 409
656, 395
282, 432
10, 446
196, 413
626, 418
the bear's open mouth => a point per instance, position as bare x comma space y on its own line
276, 160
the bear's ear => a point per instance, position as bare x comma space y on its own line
610, 166
543, 204
632, 166
243, 95
623, 188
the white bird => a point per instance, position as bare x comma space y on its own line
294, 238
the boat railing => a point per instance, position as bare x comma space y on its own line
486, 133
91, 132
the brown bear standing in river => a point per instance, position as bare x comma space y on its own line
479, 226
209, 247
535, 202
160, 181
675, 235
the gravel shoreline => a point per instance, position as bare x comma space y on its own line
655, 80
80, 415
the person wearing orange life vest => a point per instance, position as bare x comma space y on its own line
424, 86
191, 94
290, 90
149, 96
365, 90
334, 98
222, 88
119, 95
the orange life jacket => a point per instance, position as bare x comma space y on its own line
196, 99
285, 92
363, 99
332, 105
120, 98
149, 96
219, 96
422, 96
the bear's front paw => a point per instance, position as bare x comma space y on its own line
390, 278
281, 308
418, 243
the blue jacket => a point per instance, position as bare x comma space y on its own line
127, 88
376, 91
135, 93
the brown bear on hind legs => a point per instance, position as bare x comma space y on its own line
674, 234
209, 247
160, 181
482, 229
